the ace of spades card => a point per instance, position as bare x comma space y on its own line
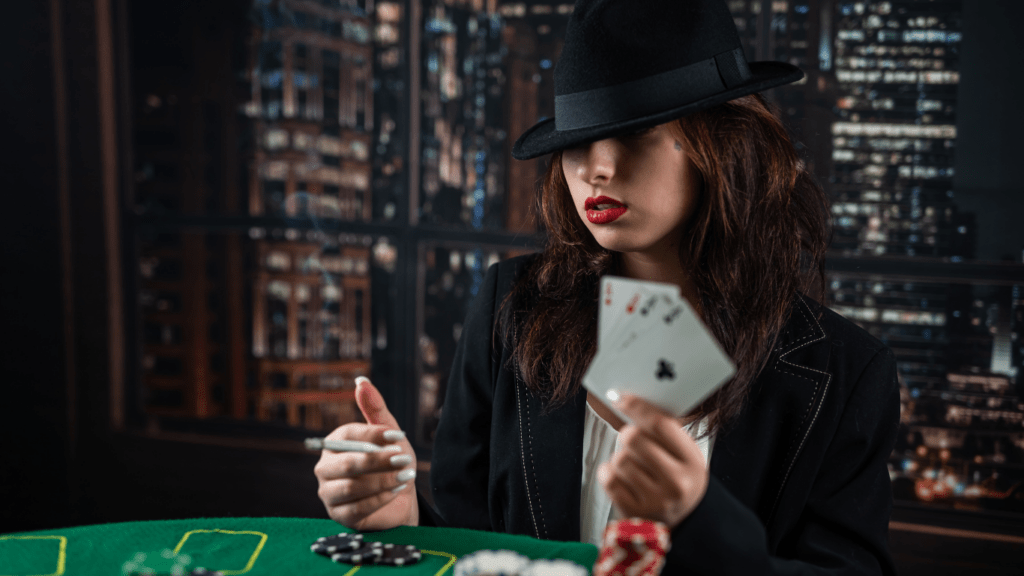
660, 351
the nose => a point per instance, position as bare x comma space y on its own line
598, 162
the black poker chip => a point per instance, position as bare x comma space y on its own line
328, 545
205, 572
399, 555
366, 553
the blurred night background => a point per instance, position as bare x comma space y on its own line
219, 213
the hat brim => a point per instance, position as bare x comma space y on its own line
542, 138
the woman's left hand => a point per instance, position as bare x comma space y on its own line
659, 472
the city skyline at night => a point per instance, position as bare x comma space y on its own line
378, 135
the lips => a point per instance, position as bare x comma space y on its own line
603, 210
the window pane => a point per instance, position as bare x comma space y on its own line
273, 101
270, 325
958, 358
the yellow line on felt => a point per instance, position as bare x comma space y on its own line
352, 571
451, 560
252, 559
62, 549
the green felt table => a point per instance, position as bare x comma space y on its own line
254, 546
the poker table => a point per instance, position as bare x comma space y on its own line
254, 546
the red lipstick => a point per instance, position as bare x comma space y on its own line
603, 210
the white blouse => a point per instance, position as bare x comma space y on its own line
600, 441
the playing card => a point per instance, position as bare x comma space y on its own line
663, 353
620, 298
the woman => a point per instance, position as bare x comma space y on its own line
667, 167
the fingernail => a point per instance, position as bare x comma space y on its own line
406, 475
361, 379
394, 435
613, 395
391, 448
401, 460
398, 489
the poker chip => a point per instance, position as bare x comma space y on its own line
399, 555
633, 547
205, 572
328, 545
491, 563
554, 568
366, 553
351, 548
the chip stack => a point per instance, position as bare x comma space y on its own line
509, 563
491, 563
633, 547
554, 568
352, 548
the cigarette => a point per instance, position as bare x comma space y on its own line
341, 445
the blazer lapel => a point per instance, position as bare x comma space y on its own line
551, 448
754, 455
552, 459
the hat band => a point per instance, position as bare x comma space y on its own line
653, 94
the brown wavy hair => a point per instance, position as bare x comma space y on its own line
757, 237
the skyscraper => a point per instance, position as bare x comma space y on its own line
896, 70
312, 106
463, 128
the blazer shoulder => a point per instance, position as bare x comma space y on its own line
507, 272
821, 341
857, 354
513, 267
846, 334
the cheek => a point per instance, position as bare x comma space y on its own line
570, 168
577, 192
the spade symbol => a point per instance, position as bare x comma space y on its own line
665, 370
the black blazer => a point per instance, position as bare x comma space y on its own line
799, 483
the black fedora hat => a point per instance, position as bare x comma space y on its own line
631, 64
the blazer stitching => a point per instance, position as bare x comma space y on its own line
522, 451
533, 468
782, 357
807, 434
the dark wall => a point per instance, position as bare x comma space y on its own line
33, 405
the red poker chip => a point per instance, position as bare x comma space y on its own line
633, 547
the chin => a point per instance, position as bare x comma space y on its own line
614, 242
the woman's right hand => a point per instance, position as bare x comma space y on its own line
370, 490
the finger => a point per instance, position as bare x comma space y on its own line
637, 467
372, 405
378, 434
334, 465
354, 512
622, 493
656, 423
647, 455
347, 490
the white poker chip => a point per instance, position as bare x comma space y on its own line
328, 545
399, 555
491, 563
553, 568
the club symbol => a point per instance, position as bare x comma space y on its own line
673, 315
665, 370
